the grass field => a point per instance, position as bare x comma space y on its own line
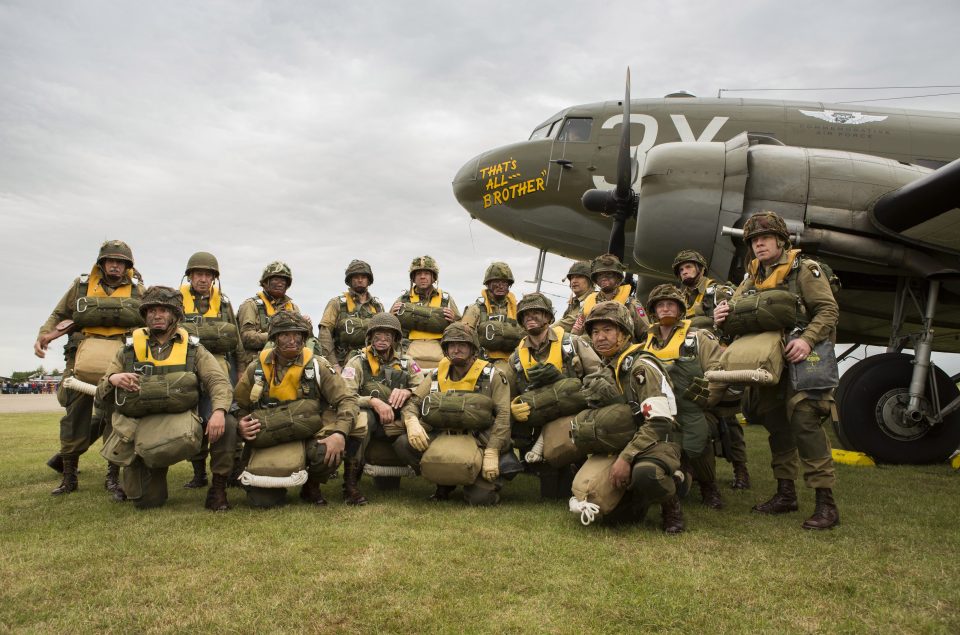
79, 563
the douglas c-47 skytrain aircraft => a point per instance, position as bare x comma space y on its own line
873, 192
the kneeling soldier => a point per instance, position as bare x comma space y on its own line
494, 316
647, 464
391, 385
468, 411
288, 382
156, 384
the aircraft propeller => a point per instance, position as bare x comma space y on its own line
620, 203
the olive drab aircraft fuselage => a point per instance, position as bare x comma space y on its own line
871, 191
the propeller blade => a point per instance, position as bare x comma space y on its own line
617, 237
624, 165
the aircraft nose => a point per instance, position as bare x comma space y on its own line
466, 185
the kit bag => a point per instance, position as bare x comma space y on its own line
290, 421
119, 447
457, 411
452, 459
607, 429
94, 356
427, 353
280, 460
380, 452
164, 439
592, 484
96, 311
561, 398
766, 310
559, 449
757, 351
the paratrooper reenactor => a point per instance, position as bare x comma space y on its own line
254, 314
343, 326
608, 273
424, 312
494, 316
581, 286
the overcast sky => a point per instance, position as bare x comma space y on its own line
319, 132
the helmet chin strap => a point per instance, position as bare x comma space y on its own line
668, 320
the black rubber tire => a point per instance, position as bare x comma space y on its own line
861, 389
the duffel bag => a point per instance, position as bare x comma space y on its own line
280, 460
558, 448
215, 335
457, 411
751, 359
290, 421
94, 355
164, 439
767, 310
593, 494
96, 311
119, 447
160, 394
452, 459
607, 429
559, 399
416, 317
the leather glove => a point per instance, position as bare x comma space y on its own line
599, 392
698, 391
416, 434
519, 410
543, 375
491, 464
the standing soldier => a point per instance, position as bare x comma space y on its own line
424, 312
646, 466
98, 310
494, 316
254, 314
343, 327
792, 418
180, 369
581, 287
391, 385
290, 375
702, 294
544, 357
208, 315
607, 272
688, 352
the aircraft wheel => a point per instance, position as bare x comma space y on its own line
871, 396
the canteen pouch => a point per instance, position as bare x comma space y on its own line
290, 421
607, 429
217, 336
763, 351
164, 439
96, 311
280, 460
497, 335
592, 484
818, 371
160, 394
766, 310
94, 356
119, 447
416, 317
457, 411
452, 459
558, 448
559, 399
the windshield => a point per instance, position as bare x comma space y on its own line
543, 131
576, 129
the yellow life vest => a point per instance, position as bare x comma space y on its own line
623, 293
96, 290
190, 307
352, 306
616, 371
287, 388
777, 275
178, 354
469, 381
435, 303
554, 357
671, 351
375, 363
270, 309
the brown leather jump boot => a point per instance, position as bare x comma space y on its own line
672, 515
741, 476
55, 463
710, 495
199, 475
352, 471
310, 491
217, 494
69, 482
785, 500
825, 513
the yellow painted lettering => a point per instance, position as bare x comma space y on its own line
496, 198
540, 185
486, 201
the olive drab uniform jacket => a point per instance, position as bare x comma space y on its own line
253, 318
342, 330
314, 372
485, 310
91, 284
573, 310
621, 296
489, 382
646, 386
702, 299
367, 375
214, 307
215, 383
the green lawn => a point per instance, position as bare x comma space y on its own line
80, 563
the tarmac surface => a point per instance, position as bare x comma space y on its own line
28, 403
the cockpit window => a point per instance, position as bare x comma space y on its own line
543, 131
576, 129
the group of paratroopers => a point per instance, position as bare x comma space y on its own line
620, 403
